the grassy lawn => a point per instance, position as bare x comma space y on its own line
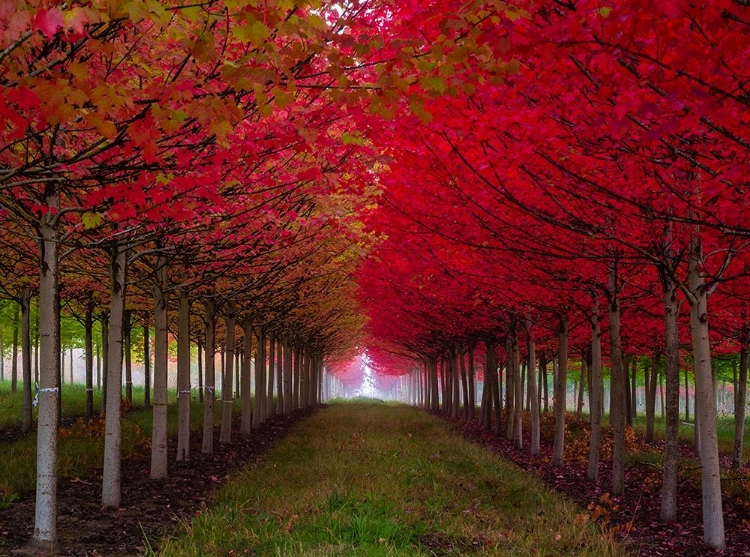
370, 479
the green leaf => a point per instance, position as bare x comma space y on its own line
91, 220
352, 138
605, 11
433, 84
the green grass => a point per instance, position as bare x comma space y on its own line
81, 447
373, 479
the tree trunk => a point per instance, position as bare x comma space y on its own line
14, 361
581, 383
45, 521
687, 397
25, 304
455, 383
595, 396
98, 366
88, 325
651, 397
159, 442
227, 398
561, 393
627, 391
128, 359
510, 389
490, 380
209, 396
535, 429
288, 397
200, 372
280, 395
183, 377
472, 384
297, 378
518, 395
112, 424
670, 467
543, 368
618, 391
246, 421
105, 360
739, 408
146, 364
464, 382
271, 374
705, 399
260, 364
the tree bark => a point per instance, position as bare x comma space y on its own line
128, 358
112, 426
288, 397
146, 364
200, 372
510, 388
227, 394
651, 397
183, 377
159, 443
280, 387
618, 392
535, 428
105, 360
561, 379
595, 396
713, 517
45, 520
472, 383
14, 353
739, 408
25, 303
518, 396
260, 364
88, 325
271, 375
246, 420
209, 396
670, 467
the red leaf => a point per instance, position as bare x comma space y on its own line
49, 21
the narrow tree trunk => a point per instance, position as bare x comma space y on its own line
560, 393
159, 443
687, 397
534, 399
183, 378
464, 382
456, 384
595, 396
627, 391
472, 384
497, 399
105, 360
128, 359
227, 399
670, 467
260, 364
209, 397
543, 367
112, 425
651, 397
146, 364
510, 389
582, 382
236, 373
26, 357
88, 325
739, 408
297, 377
200, 373
518, 384
618, 392
14, 361
288, 397
98, 366
280, 387
246, 420
271, 374
490, 377
45, 521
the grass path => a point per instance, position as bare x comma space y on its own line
370, 479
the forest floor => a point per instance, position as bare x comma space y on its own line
634, 517
374, 479
151, 509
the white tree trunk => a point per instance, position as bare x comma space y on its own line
113, 425
247, 415
260, 365
45, 520
227, 396
209, 396
535, 433
159, 442
183, 378
705, 404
